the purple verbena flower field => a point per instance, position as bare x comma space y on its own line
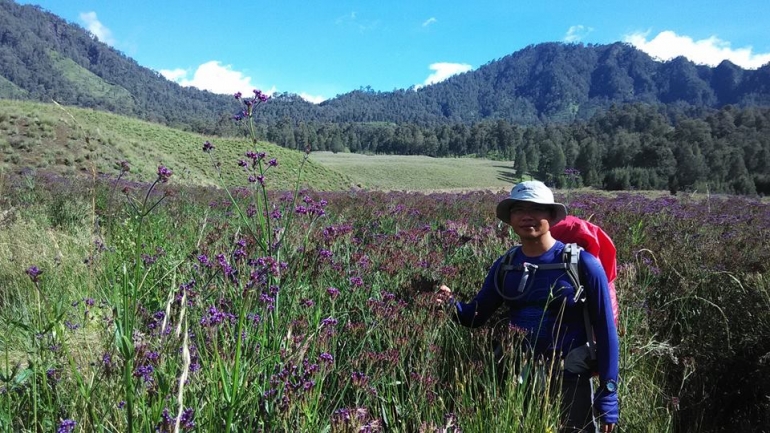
159, 307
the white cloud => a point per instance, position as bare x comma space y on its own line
429, 21
216, 78
712, 51
577, 33
312, 98
175, 75
98, 29
444, 70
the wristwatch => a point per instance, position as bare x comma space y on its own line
610, 386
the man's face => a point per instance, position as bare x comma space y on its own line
530, 220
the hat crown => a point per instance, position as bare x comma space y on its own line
533, 191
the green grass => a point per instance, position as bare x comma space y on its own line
419, 173
85, 82
10, 90
73, 141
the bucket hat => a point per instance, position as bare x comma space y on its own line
531, 191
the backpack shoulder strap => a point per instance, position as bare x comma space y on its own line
571, 258
505, 266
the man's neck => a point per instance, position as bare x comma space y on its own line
535, 247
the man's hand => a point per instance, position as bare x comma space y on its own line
444, 295
607, 428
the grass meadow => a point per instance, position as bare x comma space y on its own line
165, 305
420, 173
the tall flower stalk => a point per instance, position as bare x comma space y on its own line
261, 219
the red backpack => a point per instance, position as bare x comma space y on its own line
596, 241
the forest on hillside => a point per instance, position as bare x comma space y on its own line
611, 112
628, 147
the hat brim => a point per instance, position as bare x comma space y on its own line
503, 210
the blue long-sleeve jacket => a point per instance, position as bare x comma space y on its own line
553, 321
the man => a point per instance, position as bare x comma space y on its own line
542, 302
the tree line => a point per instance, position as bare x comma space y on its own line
635, 146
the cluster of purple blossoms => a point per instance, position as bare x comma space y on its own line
359, 379
229, 271
333, 292
164, 173
326, 358
107, 363
268, 300
254, 318
156, 319
311, 207
148, 260
187, 288
207, 146
259, 96
251, 210
167, 423
264, 267
255, 157
292, 383
145, 372
258, 178
215, 317
249, 103
355, 419
307, 303
388, 307
66, 426
53, 375
204, 260
332, 233
34, 273
329, 321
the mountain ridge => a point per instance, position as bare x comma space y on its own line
543, 83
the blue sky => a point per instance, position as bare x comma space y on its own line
320, 49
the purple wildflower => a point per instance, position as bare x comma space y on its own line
207, 146
107, 360
329, 321
164, 173
34, 273
66, 426
145, 372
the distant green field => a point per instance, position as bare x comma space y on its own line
412, 173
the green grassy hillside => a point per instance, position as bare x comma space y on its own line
73, 141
